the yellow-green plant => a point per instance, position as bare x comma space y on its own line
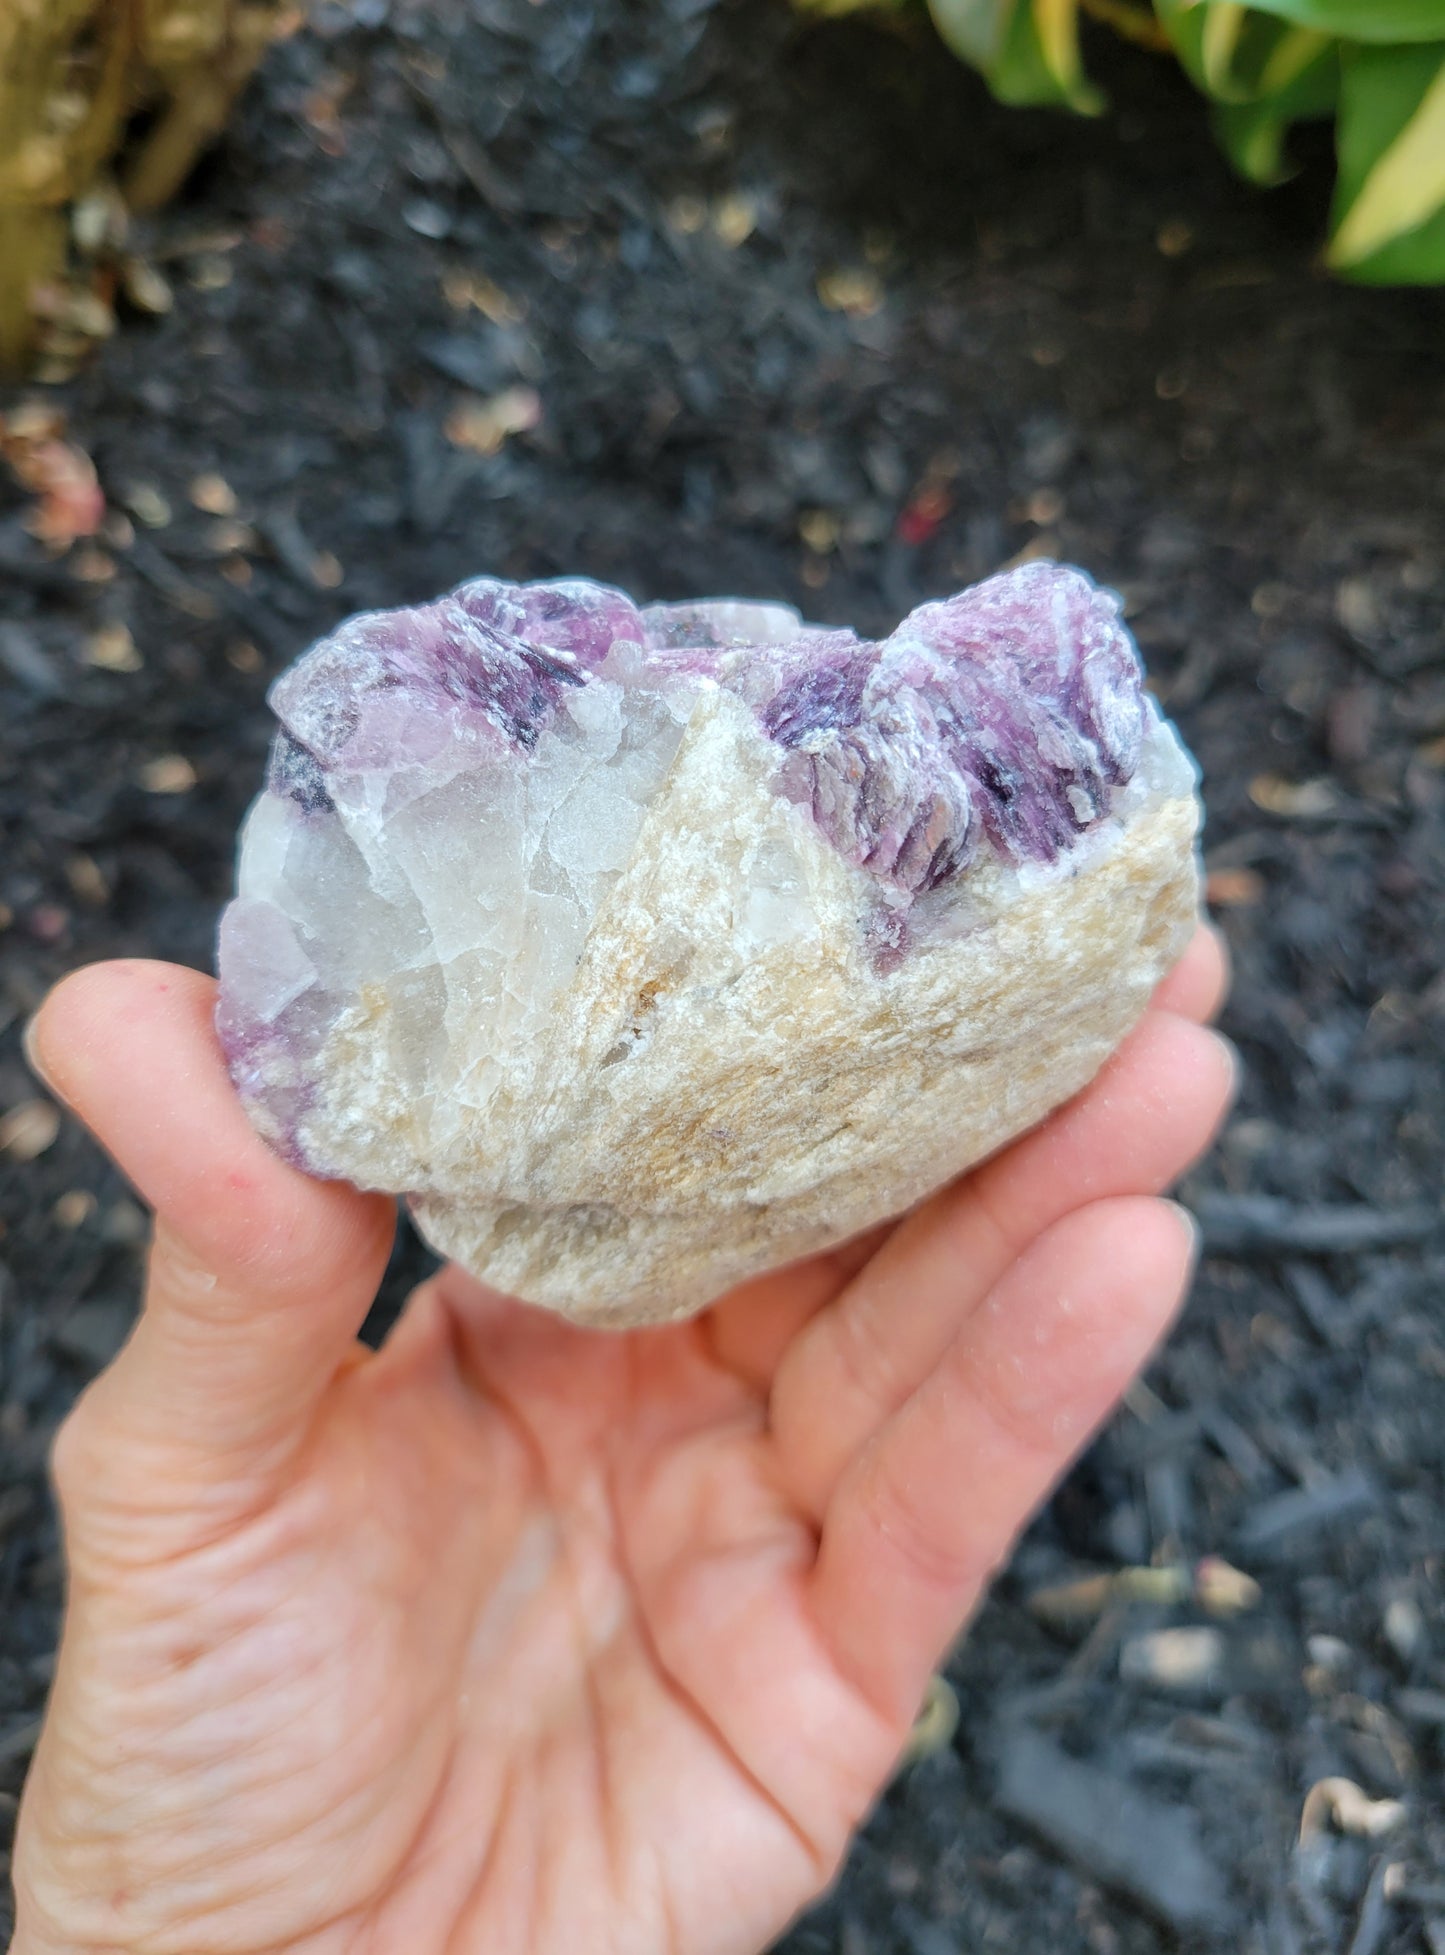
73, 76
1376, 66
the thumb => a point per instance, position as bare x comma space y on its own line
259, 1275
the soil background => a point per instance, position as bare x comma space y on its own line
798, 311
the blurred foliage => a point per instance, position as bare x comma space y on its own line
79, 78
1376, 66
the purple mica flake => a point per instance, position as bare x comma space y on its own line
1065, 640
488, 658
876, 779
1009, 711
571, 618
825, 692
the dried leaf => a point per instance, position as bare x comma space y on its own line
27, 1130
73, 1208
113, 649
484, 425
169, 773
83, 874
1294, 800
462, 289
146, 503
734, 219
819, 529
146, 288
851, 290
213, 494
1225, 1590
935, 1725
1234, 889
1173, 1657
1341, 1802
59, 474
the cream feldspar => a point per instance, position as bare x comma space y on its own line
662, 948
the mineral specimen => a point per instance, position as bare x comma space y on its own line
644, 950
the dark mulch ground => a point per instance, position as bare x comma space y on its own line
951, 334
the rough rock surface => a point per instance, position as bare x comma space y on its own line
645, 950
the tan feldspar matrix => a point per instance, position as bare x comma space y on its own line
646, 949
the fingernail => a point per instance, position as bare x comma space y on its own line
1231, 1058
1189, 1222
30, 1044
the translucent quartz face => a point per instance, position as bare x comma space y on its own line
456, 787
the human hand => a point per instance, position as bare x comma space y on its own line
522, 1638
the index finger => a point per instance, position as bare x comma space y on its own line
1199, 982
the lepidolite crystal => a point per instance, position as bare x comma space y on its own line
644, 950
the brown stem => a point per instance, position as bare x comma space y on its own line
201, 100
32, 250
48, 54
192, 57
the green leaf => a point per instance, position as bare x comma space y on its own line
1056, 25
1236, 53
1027, 50
1294, 54
1184, 24
1389, 212
1212, 41
1224, 23
976, 29
1252, 134
1379, 22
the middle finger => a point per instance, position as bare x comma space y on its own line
1134, 1130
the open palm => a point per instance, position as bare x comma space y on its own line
521, 1638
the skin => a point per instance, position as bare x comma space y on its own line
520, 1638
